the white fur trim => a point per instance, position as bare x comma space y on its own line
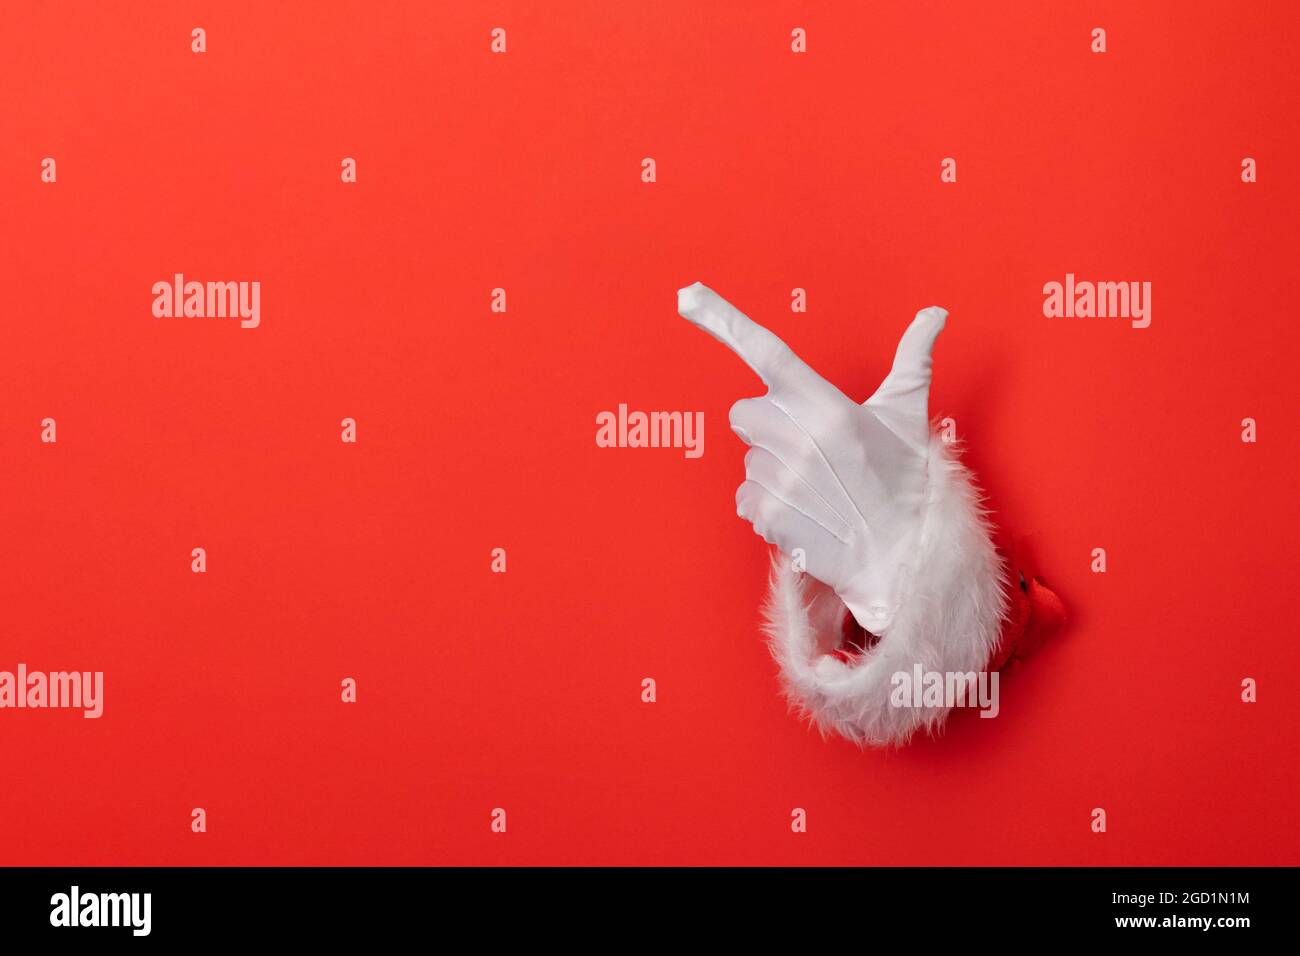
950, 622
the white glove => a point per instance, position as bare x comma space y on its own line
886, 517
844, 482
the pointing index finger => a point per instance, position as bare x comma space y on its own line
770, 358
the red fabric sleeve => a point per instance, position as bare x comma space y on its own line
1035, 612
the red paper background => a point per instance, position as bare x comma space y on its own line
477, 430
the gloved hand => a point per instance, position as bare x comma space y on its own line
844, 482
